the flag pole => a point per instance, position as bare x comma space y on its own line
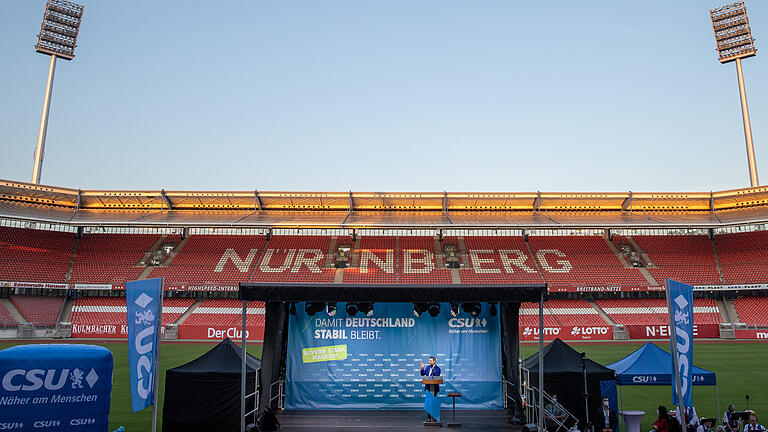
673, 341
157, 358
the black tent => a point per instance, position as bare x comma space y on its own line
204, 394
563, 374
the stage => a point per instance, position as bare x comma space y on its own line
400, 420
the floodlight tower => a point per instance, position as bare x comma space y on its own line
734, 42
57, 38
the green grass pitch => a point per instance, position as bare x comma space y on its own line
741, 368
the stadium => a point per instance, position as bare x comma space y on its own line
68, 253
340, 297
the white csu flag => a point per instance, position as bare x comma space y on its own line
680, 305
145, 304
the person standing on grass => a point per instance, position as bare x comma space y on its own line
662, 421
606, 419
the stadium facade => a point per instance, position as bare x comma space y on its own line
604, 256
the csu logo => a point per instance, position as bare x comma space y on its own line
467, 322
82, 422
144, 344
643, 379
51, 379
11, 426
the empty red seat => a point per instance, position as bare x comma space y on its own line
41, 311
743, 257
30, 255
6, 319
686, 258
752, 310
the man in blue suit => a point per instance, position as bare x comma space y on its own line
431, 370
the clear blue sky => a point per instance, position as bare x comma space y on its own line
385, 96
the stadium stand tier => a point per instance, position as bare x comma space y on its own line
582, 260
295, 259
110, 258
112, 310
752, 310
687, 258
31, 255
418, 261
561, 312
6, 319
374, 261
226, 312
41, 311
225, 260
743, 257
503, 259
212, 259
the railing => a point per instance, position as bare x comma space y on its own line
509, 399
272, 396
530, 399
280, 396
255, 395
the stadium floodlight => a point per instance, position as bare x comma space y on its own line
735, 42
57, 38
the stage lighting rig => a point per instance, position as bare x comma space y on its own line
311, 308
471, 308
57, 38
331, 309
352, 309
419, 308
735, 42
366, 308
454, 309
434, 309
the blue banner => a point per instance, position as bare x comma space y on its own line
57, 387
680, 304
144, 303
362, 362
432, 405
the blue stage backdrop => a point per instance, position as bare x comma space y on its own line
362, 362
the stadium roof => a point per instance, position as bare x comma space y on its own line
386, 210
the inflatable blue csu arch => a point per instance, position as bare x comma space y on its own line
58, 387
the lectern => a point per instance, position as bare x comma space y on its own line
427, 381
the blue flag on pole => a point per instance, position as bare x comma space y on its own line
432, 405
680, 304
144, 304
